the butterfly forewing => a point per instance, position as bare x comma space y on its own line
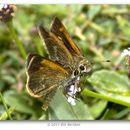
59, 30
44, 76
56, 49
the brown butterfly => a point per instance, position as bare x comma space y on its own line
65, 66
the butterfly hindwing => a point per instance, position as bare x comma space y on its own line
44, 77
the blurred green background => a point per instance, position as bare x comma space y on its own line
100, 31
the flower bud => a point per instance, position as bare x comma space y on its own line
7, 12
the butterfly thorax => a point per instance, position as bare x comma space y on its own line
81, 67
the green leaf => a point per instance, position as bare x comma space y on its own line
8, 79
97, 108
112, 84
93, 11
19, 101
124, 25
4, 115
109, 114
122, 113
62, 110
110, 81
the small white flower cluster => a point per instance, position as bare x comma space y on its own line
71, 95
3, 6
72, 92
126, 52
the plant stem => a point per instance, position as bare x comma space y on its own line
17, 40
87, 92
38, 46
6, 108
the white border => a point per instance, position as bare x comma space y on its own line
43, 125
65, 1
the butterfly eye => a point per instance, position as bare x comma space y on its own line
82, 67
76, 72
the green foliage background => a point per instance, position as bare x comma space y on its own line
100, 31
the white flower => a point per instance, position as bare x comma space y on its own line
71, 95
3, 6
78, 78
71, 100
72, 90
125, 52
79, 89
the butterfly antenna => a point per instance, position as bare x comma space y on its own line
101, 61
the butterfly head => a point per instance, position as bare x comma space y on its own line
84, 67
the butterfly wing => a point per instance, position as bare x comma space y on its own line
43, 77
56, 48
60, 31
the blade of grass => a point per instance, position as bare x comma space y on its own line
87, 92
4, 115
39, 46
17, 40
5, 106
